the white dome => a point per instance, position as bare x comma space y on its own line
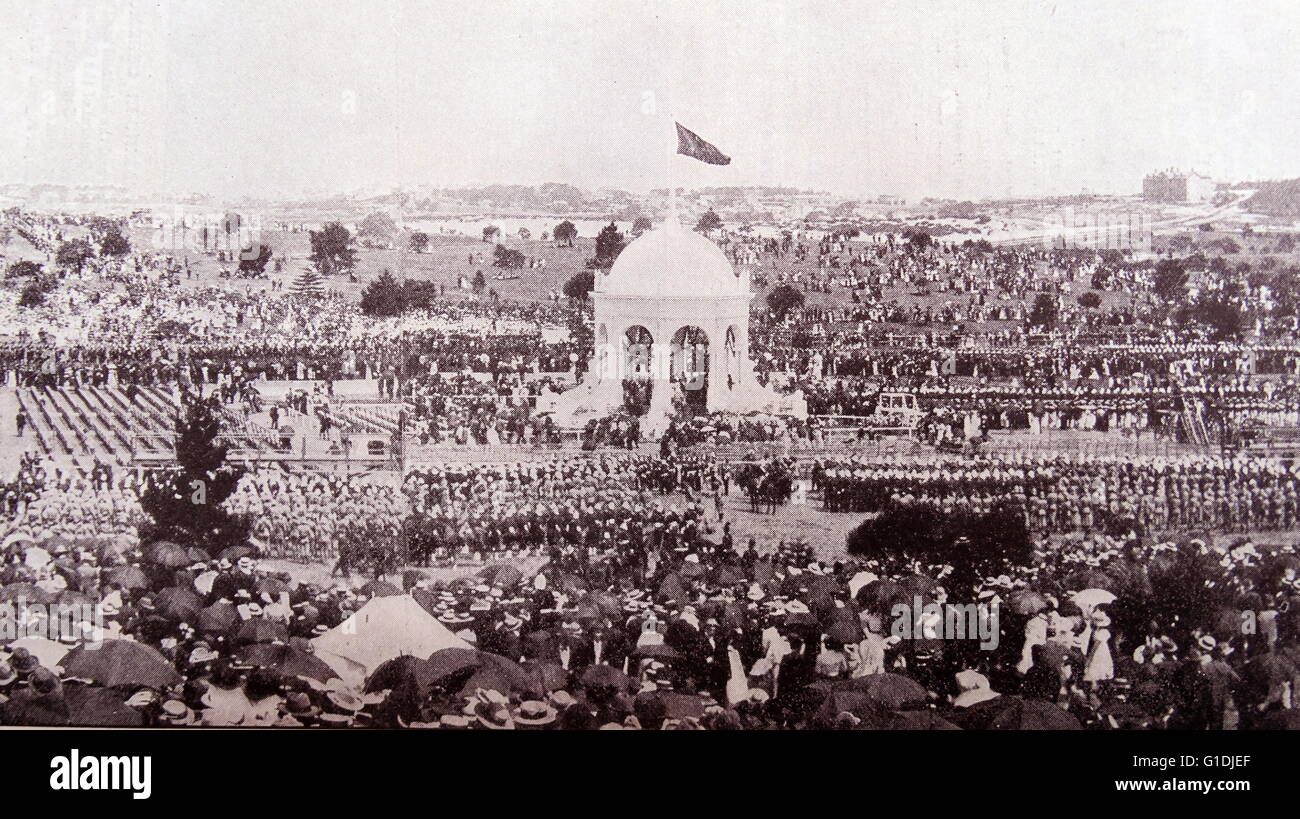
671, 261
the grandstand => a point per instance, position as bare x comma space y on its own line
88, 423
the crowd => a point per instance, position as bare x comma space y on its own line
653, 632
1072, 494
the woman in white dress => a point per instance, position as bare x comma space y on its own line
1098, 665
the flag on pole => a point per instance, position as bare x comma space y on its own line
690, 144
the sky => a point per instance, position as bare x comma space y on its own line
965, 100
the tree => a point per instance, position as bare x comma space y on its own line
73, 254
114, 243
1221, 315
187, 505
34, 292
1090, 300
1044, 312
783, 298
480, 281
490, 233
331, 249
383, 297
641, 225
975, 545
1170, 280
254, 259
420, 294
609, 243
708, 222
377, 228
919, 241
23, 270
579, 285
566, 232
507, 257
419, 241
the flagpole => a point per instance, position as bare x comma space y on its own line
672, 185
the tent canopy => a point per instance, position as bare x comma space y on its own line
384, 628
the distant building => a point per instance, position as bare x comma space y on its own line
1175, 186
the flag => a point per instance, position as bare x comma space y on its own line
690, 144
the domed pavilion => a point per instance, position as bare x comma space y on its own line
671, 326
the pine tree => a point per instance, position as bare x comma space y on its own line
308, 283
187, 505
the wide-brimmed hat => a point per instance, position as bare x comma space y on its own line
298, 704
493, 716
534, 712
562, 699
7, 673
176, 713
345, 701
202, 653
23, 661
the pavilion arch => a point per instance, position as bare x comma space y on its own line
604, 356
689, 354
731, 356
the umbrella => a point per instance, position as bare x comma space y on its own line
671, 588
449, 661
178, 605
121, 663
598, 676
233, 553
1286, 720
923, 720
681, 706
727, 576
1267, 670
918, 585
27, 591
128, 577
845, 630
656, 651
94, 707
197, 555
691, 570
1018, 714
878, 594
71, 597
261, 630
888, 689
607, 604
34, 711
570, 584
271, 586
1090, 579
1027, 602
587, 610
400, 670
166, 553
47, 652
1225, 623
288, 660
217, 617
549, 676
378, 588
1089, 599
502, 575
